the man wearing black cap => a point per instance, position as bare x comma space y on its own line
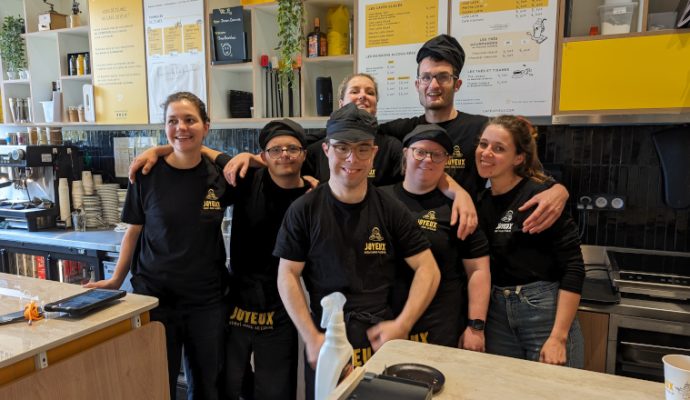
348, 236
426, 151
258, 321
439, 63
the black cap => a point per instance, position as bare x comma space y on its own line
443, 47
282, 127
351, 124
429, 132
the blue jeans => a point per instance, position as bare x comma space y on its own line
521, 318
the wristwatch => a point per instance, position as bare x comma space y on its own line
476, 324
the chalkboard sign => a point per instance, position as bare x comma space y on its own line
229, 27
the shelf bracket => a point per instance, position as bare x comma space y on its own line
41, 360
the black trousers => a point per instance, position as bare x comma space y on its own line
275, 358
202, 332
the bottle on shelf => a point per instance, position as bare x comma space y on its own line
87, 63
80, 64
72, 65
316, 41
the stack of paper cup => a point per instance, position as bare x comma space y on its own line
87, 182
676, 376
63, 193
77, 195
97, 180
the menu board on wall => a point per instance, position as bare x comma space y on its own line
119, 61
175, 52
389, 35
510, 52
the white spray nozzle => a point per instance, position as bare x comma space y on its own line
331, 304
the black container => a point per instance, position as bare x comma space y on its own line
240, 104
324, 96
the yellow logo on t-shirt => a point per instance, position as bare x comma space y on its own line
372, 173
456, 160
211, 201
375, 245
428, 221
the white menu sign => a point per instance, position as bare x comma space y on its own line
175, 51
389, 35
510, 51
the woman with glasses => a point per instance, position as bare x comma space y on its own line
464, 264
537, 278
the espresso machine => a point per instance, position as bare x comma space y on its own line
29, 177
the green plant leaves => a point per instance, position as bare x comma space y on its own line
290, 37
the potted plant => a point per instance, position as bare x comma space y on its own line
290, 36
12, 48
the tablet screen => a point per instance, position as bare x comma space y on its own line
85, 301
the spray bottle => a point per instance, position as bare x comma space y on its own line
336, 351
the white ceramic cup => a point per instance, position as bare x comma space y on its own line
677, 376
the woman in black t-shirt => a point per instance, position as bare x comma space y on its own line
175, 249
537, 278
426, 151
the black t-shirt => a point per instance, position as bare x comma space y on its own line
519, 258
350, 248
432, 212
386, 169
180, 257
464, 131
259, 208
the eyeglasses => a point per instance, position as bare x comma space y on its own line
437, 157
362, 151
442, 78
277, 151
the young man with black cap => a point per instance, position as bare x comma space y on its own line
439, 63
349, 236
426, 151
258, 322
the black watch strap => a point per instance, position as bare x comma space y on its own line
476, 324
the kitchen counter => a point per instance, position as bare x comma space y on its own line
103, 240
25, 347
471, 375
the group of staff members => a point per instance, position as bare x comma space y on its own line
408, 254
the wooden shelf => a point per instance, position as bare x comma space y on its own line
17, 82
78, 31
344, 59
236, 67
75, 77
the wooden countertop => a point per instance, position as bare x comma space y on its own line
470, 375
20, 340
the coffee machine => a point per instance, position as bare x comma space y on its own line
29, 177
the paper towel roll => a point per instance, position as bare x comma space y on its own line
63, 193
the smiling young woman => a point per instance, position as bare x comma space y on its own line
537, 278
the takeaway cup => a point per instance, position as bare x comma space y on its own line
677, 376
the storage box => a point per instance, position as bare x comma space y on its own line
51, 20
617, 18
663, 20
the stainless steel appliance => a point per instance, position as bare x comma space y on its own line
28, 183
653, 316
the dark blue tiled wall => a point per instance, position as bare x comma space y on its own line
618, 160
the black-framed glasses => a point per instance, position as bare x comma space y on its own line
276, 152
362, 151
442, 78
437, 157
